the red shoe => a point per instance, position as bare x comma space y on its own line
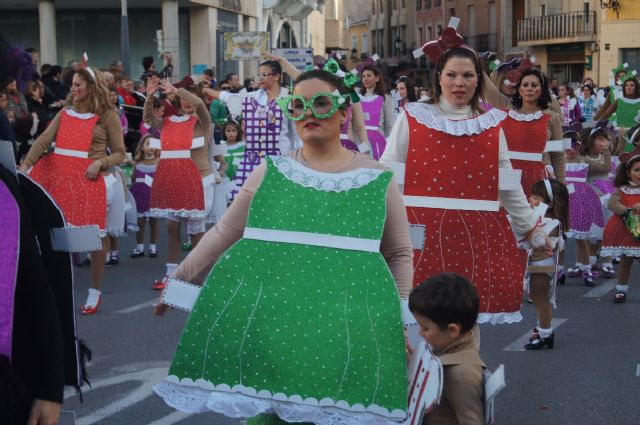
159, 285
93, 302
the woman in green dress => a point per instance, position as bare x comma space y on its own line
300, 318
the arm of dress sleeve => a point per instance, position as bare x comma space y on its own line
201, 109
43, 142
493, 95
398, 141
514, 201
115, 141
615, 205
286, 138
148, 116
577, 110
357, 124
558, 159
389, 111
290, 69
464, 394
607, 102
225, 233
555, 106
396, 245
609, 111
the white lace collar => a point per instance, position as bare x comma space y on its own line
76, 114
518, 116
180, 118
327, 182
630, 190
629, 101
429, 116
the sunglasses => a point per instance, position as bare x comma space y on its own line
322, 105
263, 75
225, 88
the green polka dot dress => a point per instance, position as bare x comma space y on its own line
627, 111
301, 318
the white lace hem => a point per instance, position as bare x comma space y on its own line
179, 118
630, 190
78, 115
425, 114
593, 235
191, 399
500, 318
328, 182
629, 101
617, 251
167, 213
525, 117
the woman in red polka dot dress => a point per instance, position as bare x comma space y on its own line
454, 185
77, 174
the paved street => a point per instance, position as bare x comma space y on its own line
589, 378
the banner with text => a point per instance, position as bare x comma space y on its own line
300, 58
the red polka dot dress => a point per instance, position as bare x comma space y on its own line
617, 239
451, 188
527, 140
83, 202
177, 185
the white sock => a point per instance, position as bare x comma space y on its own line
140, 247
152, 247
607, 265
584, 267
561, 268
545, 333
593, 260
171, 267
622, 288
116, 253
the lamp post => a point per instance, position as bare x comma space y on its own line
398, 45
124, 39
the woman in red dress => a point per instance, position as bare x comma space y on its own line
454, 154
77, 174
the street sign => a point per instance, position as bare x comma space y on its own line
300, 58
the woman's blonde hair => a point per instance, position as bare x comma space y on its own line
98, 97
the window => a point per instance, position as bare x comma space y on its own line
452, 11
437, 3
543, 10
429, 34
420, 36
354, 41
418, 4
365, 43
439, 30
427, 4
403, 4
381, 6
373, 10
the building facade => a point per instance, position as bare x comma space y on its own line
619, 40
358, 41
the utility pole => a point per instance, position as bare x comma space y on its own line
124, 39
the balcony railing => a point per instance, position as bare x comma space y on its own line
482, 42
571, 26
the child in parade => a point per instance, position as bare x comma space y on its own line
618, 238
77, 174
232, 132
158, 111
221, 185
182, 190
379, 109
268, 278
571, 112
589, 103
146, 159
543, 264
446, 307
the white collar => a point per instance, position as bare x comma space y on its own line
181, 118
75, 114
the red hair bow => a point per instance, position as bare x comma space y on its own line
448, 40
514, 75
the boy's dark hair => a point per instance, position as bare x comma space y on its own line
209, 73
446, 298
147, 61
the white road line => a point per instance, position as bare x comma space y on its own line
601, 290
518, 344
171, 419
638, 370
138, 306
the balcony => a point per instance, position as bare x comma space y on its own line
556, 29
482, 42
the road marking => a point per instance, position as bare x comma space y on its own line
137, 307
171, 419
638, 370
601, 290
518, 344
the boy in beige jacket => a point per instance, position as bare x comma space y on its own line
446, 308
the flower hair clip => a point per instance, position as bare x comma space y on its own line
514, 75
449, 39
627, 76
349, 79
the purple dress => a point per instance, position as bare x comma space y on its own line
586, 218
9, 247
140, 190
263, 125
372, 106
344, 134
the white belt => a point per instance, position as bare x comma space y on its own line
556, 146
576, 179
373, 128
140, 180
71, 152
525, 156
315, 239
450, 203
344, 137
185, 154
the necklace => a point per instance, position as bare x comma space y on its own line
597, 158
